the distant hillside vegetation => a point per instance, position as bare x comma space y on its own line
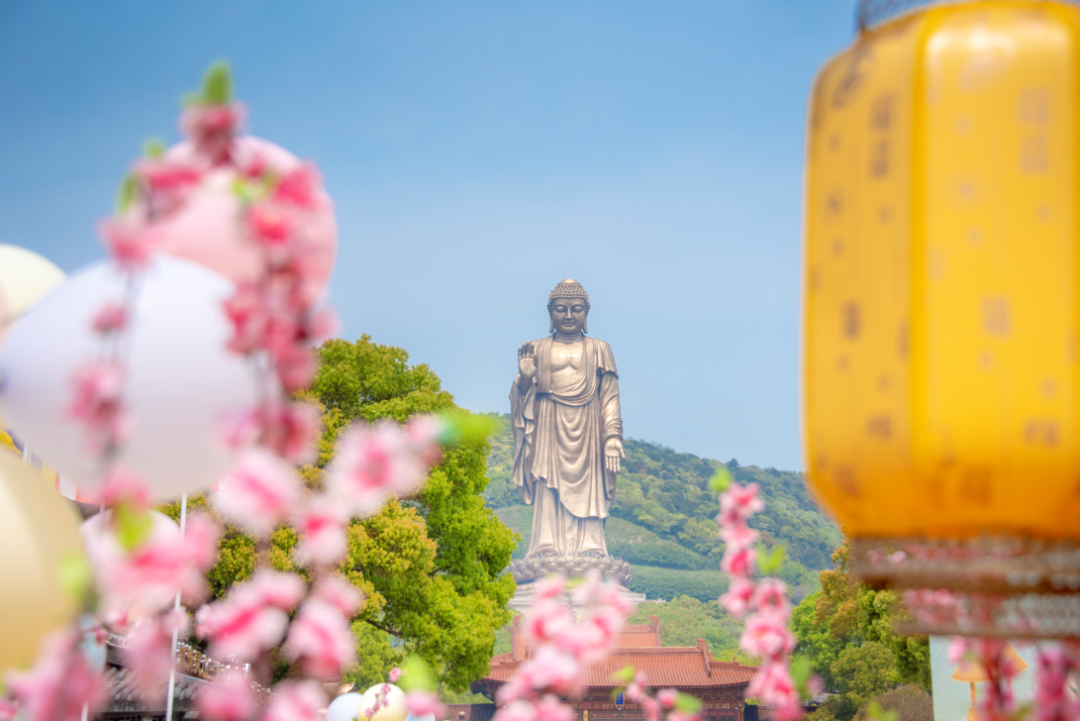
664, 518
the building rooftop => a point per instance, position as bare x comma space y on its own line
682, 667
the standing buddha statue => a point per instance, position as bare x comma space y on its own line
568, 443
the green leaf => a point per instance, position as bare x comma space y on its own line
874, 711
416, 675
75, 575
217, 85
244, 191
801, 668
769, 562
125, 196
154, 148
465, 427
720, 480
624, 675
687, 703
132, 526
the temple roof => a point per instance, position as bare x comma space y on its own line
681, 667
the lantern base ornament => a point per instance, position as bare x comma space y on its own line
990, 586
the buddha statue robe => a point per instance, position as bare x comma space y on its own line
561, 425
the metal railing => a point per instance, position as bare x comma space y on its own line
193, 662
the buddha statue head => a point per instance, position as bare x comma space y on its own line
568, 307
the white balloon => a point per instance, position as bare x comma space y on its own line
181, 379
345, 707
395, 709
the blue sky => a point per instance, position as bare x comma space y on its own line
478, 153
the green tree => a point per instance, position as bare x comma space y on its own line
879, 612
684, 620
862, 672
848, 631
815, 640
431, 567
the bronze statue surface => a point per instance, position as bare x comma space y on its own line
567, 441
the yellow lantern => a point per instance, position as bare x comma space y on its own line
942, 259
39, 529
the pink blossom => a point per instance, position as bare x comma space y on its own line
395, 674
151, 574
300, 187
550, 708
550, 586
738, 561
60, 682
774, 685
98, 387
651, 707
295, 367
122, 487
228, 699
766, 635
321, 524
339, 593
738, 597
130, 243
324, 324
271, 224
253, 617
296, 701
8, 709
421, 703
958, 649
551, 670
516, 711
424, 431
166, 174
211, 129
1052, 700
320, 639
290, 429
259, 493
110, 318
371, 463
169, 183
737, 534
547, 620
742, 499
247, 310
771, 595
667, 698
148, 652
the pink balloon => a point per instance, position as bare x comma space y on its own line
208, 229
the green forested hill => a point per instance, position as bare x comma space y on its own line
664, 518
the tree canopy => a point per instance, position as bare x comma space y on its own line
848, 632
431, 567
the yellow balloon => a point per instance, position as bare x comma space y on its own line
39, 529
25, 277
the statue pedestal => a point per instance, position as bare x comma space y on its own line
525, 597
533, 568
